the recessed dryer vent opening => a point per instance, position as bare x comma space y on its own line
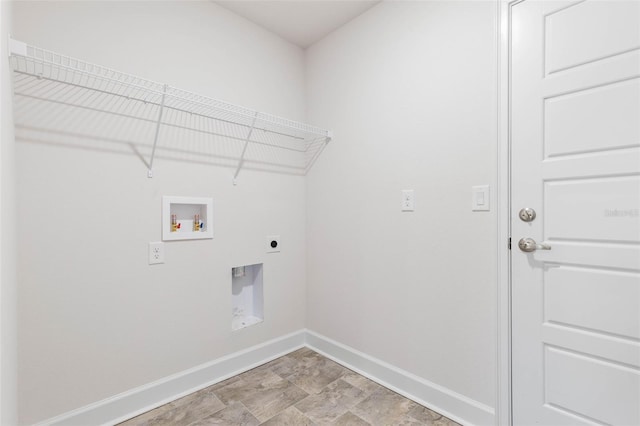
247, 296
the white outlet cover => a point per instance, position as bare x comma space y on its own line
156, 253
408, 200
270, 242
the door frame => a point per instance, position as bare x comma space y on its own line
504, 400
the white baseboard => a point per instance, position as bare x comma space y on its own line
144, 398
445, 401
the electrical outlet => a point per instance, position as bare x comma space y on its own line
156, 253
408, 200
273, 243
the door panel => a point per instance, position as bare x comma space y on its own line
573, 296
625, 162
605, 209
599, 379
595, 119
589, 31
598, 344
575, 146
590, 254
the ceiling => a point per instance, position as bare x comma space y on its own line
302, 22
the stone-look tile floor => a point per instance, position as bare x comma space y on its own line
299, 389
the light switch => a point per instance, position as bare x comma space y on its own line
480, 198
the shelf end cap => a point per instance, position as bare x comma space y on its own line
17, 47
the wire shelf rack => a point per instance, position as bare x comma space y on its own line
163, 114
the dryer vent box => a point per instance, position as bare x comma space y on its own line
247, 296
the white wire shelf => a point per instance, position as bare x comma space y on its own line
163, 115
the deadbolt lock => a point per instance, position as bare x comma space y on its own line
527, 214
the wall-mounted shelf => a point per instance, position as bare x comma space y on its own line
253, 137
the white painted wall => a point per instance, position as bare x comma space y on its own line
8, 279
409, 90
94, 318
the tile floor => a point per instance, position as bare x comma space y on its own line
298, 389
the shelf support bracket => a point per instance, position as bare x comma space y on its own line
155, 138
244, 150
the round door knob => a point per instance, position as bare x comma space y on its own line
529, 244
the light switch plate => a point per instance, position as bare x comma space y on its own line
480, 198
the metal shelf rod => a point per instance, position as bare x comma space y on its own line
163, 123
244, 150
158, 93
155, 137
158, 104
317, 154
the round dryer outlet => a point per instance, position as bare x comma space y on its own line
273, 243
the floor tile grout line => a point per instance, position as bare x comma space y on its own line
250, 412
364, 395
303, 367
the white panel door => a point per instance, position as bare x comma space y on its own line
575, 135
